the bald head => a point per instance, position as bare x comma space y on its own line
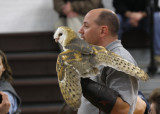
106, 17
99, 10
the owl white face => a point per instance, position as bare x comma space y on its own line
60, 35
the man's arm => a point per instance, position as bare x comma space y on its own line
120, 107
5, 105
140, 106
106, 99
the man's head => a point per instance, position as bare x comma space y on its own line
100, 27
154, 99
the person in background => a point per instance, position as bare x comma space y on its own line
4, 103
71, 12
112, 92
6, 87
154, 99
135, 14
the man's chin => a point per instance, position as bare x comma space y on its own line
82, 38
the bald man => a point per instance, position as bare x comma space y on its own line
115, 92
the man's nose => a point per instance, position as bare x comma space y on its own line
80, 30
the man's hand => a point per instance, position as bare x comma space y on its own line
5, 104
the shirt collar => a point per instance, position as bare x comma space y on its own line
114, 44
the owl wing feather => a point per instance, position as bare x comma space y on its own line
80, 45
108, 58
69, 83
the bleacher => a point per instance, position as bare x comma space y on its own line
32, 57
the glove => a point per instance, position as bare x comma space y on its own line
99, 95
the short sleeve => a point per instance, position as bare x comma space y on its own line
125, 85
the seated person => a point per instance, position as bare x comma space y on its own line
4, 103
135, 14
154, 99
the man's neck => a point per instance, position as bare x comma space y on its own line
109, 40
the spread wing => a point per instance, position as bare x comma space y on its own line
108, 58
69, 83
87, 64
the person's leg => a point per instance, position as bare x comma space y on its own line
157, 36
121, 26
144, 25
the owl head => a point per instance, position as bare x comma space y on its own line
64, 35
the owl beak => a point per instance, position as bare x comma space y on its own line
56, 39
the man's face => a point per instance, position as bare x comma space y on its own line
90, 31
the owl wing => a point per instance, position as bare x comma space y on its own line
69, 83
108, 58
88, 58
80, 45
80, 58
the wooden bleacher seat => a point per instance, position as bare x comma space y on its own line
32, 57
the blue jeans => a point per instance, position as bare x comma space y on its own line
144, 25
157, 33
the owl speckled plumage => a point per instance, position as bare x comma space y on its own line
81, 59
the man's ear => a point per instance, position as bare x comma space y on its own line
104, 31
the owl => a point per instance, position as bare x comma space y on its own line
80, 59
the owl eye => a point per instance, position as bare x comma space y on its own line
60, 34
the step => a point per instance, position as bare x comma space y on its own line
148, 86
33, 64
38, 90
142, 56
45, 109
31, 41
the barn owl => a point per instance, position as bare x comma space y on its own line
80, 59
